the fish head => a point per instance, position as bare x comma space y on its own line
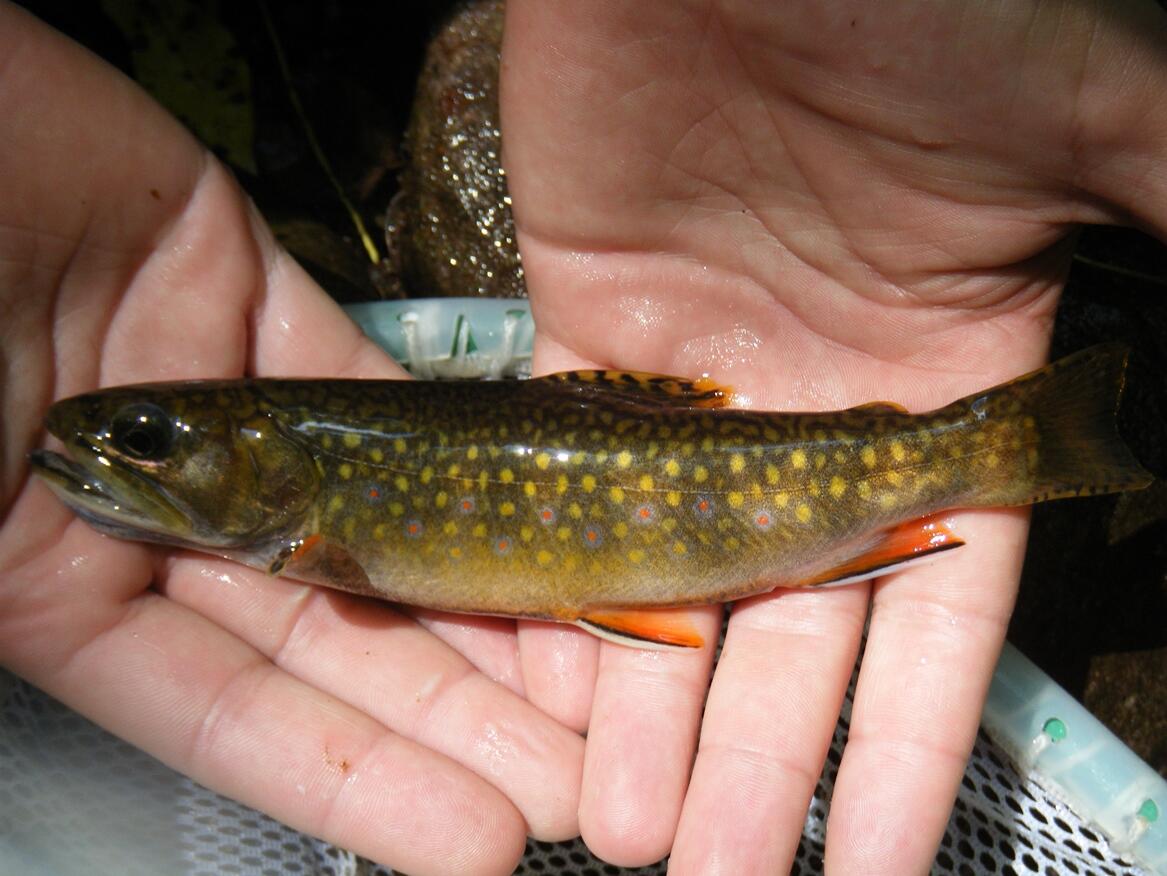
199, 465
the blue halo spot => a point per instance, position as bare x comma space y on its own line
414, 529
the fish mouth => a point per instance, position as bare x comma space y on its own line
110, 496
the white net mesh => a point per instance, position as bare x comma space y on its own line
74, 799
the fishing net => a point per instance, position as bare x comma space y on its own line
76, 800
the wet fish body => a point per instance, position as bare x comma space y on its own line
585, 497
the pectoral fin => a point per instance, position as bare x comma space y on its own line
644, 628
895, 548
316, 560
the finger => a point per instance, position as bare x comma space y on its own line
382, 663
771, 713
936, 632
559, 665
210, 706
640, 745
489, 643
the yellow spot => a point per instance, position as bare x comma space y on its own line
563, 533
561, 484
326, 442
544, 558
897, 451
798, 459
483, 479
601, 457
840, 456
867, 454
569, 563
820, 435
864, 490
588, 482
895, 478
803, 513
427, 475
399, 445
450, 527
376, 455
529, 489
506, 509
707, 443
506, 476
441, 499
992, 460
838, 487
771, 474
732, 543
688, 448
646, 482
820, 459
887, 501
419, 502
813, 488
679, 548
396, 509
574, 511
672, 468
636, 555
379, 532
472, 452
735, 500
456, 553
578, 457
623, 459
700, 474
781, 499
479, 530
351, 440
526, 533
669, 524
542, 460
345, 471
350, 528
402, 483
673, 498
335, 504
620, 530
454, 470
616, 494
737, 463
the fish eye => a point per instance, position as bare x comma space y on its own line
142, 431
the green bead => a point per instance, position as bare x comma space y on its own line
1055, 729
1149, 811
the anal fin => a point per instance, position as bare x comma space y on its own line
896, 548
658, 628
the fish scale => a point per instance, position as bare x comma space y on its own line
585, 496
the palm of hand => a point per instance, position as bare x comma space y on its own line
819, 207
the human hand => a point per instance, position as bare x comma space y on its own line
128, 254
819, 205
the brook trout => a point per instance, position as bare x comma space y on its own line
590, 497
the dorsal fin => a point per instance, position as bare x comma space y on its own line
646, 388
879, 407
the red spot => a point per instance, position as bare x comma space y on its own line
547, 515
374, 493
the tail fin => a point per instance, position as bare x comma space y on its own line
1074, 402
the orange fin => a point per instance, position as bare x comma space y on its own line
643, 628
896, 548
316, 560
880, 407
645, 388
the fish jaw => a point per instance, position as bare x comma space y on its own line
114, 499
